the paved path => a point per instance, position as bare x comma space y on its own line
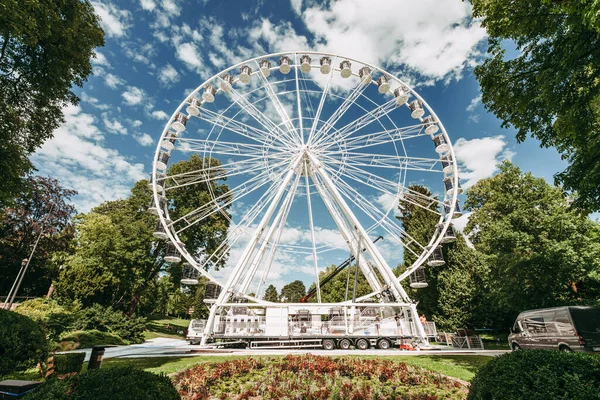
161, 347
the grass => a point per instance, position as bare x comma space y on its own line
458, 366
165, 327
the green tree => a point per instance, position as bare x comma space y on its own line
293, 291
335, 290
45, 50
551, 88
271, 294
41, 207
541, 253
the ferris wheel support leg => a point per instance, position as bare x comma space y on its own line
226, 292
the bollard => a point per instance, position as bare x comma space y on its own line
96, 357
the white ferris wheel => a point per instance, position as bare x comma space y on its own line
317, 150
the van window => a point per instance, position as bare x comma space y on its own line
563, 323
586, 319
534, 324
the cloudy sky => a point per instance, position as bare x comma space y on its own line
158, 51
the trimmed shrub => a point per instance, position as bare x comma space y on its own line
67, 363
87, 339
117, 383
113, 321
538, 374
23, 342
55, 318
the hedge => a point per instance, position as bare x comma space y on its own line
23, 342
67, 363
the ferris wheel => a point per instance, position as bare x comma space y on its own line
317, 151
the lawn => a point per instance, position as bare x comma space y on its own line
166, 327
457, 366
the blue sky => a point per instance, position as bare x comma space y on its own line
158, 51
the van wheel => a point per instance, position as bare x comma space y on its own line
516, 347
362, 344
328, 344
565, 348
384, 344
345, 344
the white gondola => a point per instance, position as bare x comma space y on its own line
168, 143
265, 67
245, 73
449, 235
365, 75
401, 95
211, 292
417, 279
431, 126
179, 122
305, 63
325, 65
162, 160
159, 231
441, 144
209, 93
189, 275
345, 69
160, 178
194, 107
436, 259
384, 84
284, 65
156, 210
172, 255
447, 164
226, 82
457, 213
416, 110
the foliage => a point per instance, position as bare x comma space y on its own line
54, 318
41, 206
540, 252
45, 50
119, 383
551, 88
314, 377
335, 290
271, 294
293, 291
22, 342
67, 363
106, 319
538, 374
87, 339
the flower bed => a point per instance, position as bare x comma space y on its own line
314, 377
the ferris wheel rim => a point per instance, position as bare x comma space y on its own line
435, 239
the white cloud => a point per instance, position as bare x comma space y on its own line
93, 101
387, 201
114, 21
137, 123
113, 81
478, 157
281, 37
144, 139
168, 75
188, 53
100, 59
133, 95
75, 157
113, 126
474, 103
148, 5
296, 6
159, 114
171, 7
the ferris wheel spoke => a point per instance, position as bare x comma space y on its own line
224, 148
235, 126
298, 104
312, 234
339, 112
381, 138
385, 161
276, 102
359, 123
261, 118
320, 108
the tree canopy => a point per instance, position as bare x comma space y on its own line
293, 291
45, 50
551, 88
271, 294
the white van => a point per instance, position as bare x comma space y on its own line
195, 331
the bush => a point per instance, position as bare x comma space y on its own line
117, 383
109, 320
67, 363
55, 318
87, 339
23, 342
538, 374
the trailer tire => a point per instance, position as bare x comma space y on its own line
345, 344
362, 344
328, 344
384, 344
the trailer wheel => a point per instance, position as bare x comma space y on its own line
384, 344
345, 344
328, 344
362, 344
